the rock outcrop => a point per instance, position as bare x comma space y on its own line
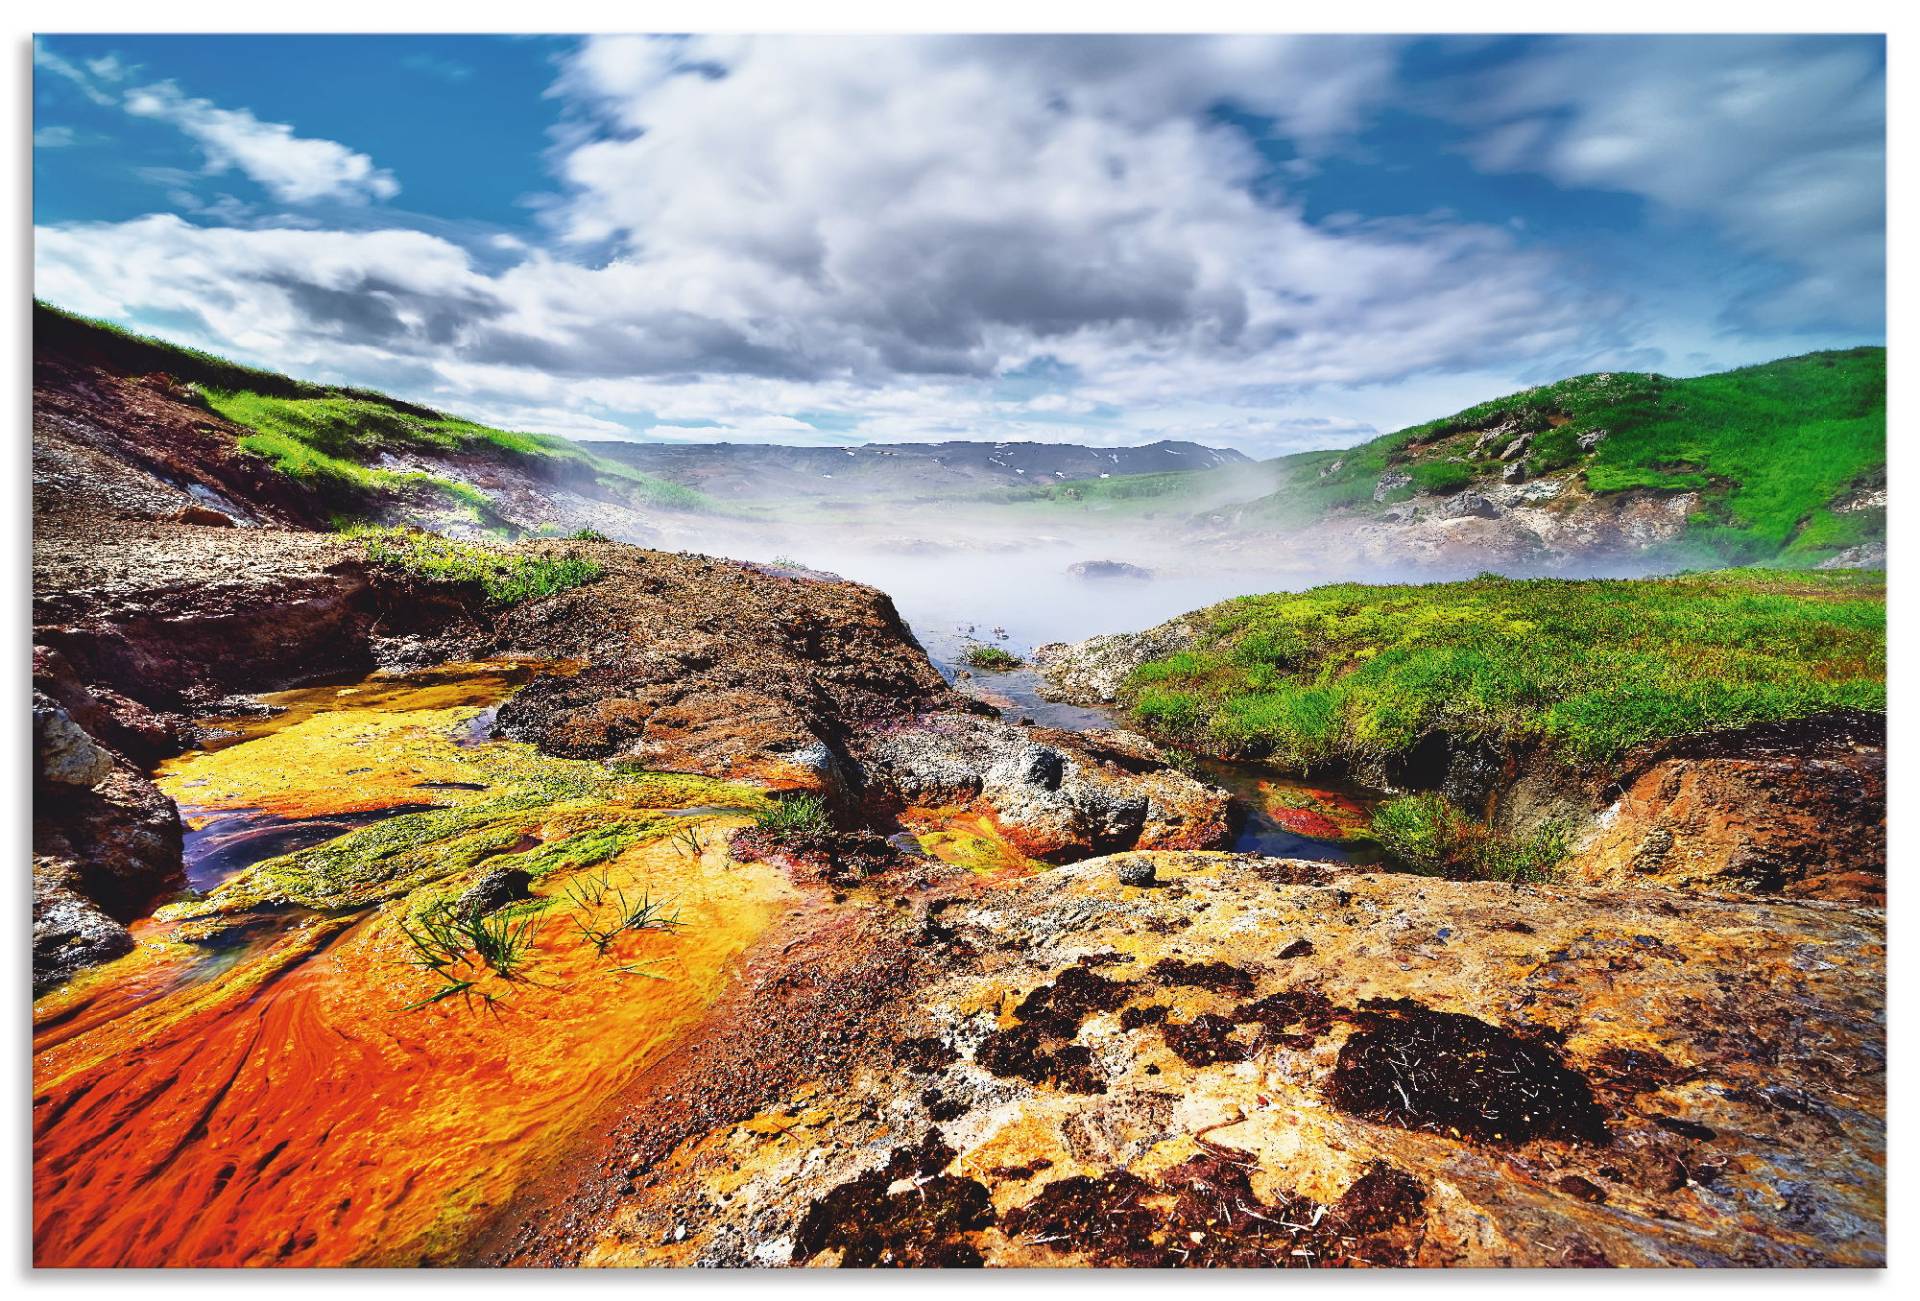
1262, 1062
1055, 795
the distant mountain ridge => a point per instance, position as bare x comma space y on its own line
753, 471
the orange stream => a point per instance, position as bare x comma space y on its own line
271, 1104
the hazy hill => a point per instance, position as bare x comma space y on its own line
764, 472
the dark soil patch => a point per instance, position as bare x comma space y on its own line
1419, 1069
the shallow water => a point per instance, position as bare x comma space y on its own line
277, 1085
1274, 814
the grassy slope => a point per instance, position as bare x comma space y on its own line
1357, 674
1771, 447
330, 438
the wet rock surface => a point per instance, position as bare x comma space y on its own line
1454, 1074
1056, 795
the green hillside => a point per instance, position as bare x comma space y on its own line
332, 439
1773, 449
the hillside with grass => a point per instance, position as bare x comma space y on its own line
356, 451
1357, 677
1788, 460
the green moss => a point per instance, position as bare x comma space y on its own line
506, 576
1357, 675
587, 812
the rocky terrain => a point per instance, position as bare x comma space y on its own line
1004, 1000
1207, 1059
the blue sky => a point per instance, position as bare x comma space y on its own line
1269, 243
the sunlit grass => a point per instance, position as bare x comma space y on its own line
1351, 673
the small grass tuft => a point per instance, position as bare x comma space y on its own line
991, 659
794, 819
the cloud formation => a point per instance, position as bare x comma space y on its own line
984, 236
1779, 142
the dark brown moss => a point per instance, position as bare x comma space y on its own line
1026, 1052
1223, 977
1382, 1198
1075, 994
1295, 1018
927, 1225
1417, 1068
925, 1054
1205, 1040
1204, 1212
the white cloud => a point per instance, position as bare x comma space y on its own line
293, 169
1780, 142
47, 60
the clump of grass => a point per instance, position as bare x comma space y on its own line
991, 659
794, 819
687, 839
1427, 835
589, 535
507, 577
443, 937
629, 916
1356, 676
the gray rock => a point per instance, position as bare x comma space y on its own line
493, 891
1135, 871
70, 931
1591, 439
1465, 504
1514, 473
1038, 766
1102, 569
1390, 482
1517, 448
64, 751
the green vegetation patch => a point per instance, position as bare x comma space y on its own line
542, 815
333, 439
1426, 835
506, 576
1356, 676
992, 659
